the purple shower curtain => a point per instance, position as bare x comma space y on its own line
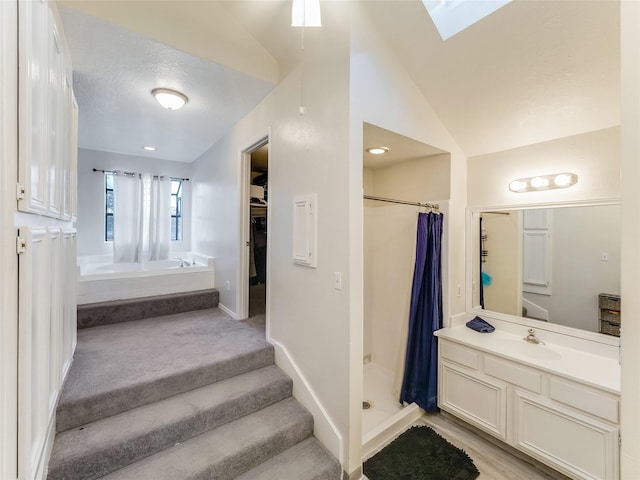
420, 382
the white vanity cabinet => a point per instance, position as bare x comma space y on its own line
567, 424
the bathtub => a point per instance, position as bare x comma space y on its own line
101, 280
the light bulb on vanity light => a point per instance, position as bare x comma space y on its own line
539, 182
562, 180
517, 186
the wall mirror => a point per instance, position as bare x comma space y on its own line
559, 265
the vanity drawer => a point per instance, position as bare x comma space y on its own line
459, 354
584, 399
513, 373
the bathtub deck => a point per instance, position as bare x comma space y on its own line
132, 363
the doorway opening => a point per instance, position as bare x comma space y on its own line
258, 196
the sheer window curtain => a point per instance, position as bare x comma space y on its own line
127, 218
142, 218
159, 218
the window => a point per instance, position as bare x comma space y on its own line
108, 207
176, 208
452, 16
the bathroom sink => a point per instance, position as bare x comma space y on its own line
531, 350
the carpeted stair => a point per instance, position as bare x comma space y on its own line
117, 311
186, 396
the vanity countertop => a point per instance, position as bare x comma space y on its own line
587, 368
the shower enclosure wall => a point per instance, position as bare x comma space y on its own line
389, 249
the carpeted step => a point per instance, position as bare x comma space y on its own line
127, 365
230, 450
307, 460
101, 447
117, 311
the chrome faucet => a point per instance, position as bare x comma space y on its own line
183, 262
531, 338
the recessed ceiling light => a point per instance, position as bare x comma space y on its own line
149, 148
169, 99
377, 150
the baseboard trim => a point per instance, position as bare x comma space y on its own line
227, 311
355, 475
43, 465
323, 427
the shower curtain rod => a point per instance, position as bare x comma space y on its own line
433, 206
133, 174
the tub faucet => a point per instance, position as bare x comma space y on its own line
183, 262
531, 338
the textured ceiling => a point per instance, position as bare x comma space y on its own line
116, 69
530, 72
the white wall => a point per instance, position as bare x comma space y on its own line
593, 156
306, 316
421, 179
630, 105
90, 222
580, 236
384, 94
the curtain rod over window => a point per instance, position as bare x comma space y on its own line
133, 174
433, 206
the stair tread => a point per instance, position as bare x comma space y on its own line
227, 451
105, 445
307, 460
121, 366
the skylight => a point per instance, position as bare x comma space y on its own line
453, 16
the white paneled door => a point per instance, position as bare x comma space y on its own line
46, 245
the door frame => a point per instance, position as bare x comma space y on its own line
242, 299
8, 236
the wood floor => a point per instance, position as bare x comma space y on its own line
494, 462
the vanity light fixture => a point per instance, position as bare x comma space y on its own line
543, 182
149, 148
169, 99
377, 150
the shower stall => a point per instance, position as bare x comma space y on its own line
389, 256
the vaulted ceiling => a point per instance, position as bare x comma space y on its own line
530, 72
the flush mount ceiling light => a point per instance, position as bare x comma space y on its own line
149, 148
377, 150
543, 182
169, 99
305, 13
